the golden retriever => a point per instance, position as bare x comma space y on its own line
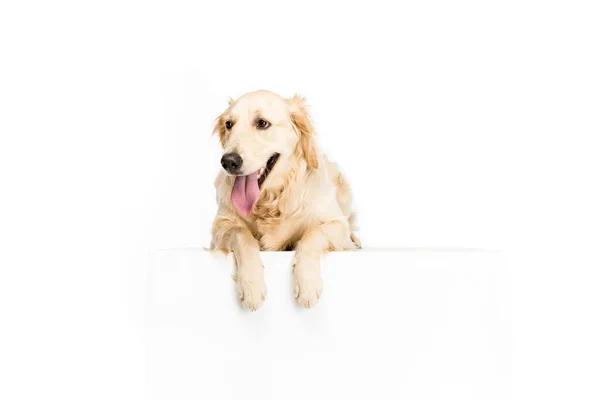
276, 191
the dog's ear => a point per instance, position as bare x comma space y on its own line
220, 128
301, 121
220, 123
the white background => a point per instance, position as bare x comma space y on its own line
459, 124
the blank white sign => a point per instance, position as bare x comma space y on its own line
411, 324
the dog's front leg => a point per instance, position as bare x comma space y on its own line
307, 263
250, 274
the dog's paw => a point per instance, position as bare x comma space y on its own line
308, 284
251, 288
356, 241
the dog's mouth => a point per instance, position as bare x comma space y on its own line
267, 168
246, 188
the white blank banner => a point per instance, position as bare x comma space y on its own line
411, 324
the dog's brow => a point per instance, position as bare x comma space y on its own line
259, 116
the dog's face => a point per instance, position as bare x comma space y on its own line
261, 134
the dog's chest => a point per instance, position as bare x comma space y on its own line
277, 234
275, 229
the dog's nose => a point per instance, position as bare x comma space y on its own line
232, 162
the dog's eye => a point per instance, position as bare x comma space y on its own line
262, 124
228, 124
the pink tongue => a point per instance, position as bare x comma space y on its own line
245, 193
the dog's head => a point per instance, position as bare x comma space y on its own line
263, 137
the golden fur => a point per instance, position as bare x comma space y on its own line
305, 203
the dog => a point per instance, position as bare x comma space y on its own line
277, 192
